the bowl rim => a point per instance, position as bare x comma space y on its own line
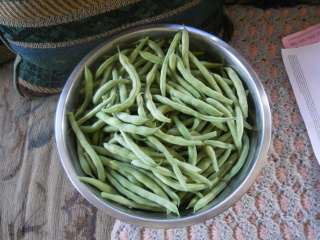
149, 222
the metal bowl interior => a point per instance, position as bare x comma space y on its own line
259, 115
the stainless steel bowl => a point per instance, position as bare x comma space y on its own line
240, 184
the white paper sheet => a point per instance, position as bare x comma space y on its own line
303, 68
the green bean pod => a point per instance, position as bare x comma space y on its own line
164, 67
145, 194
126, 127
84, 143
136, 85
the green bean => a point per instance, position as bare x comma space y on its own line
126, 127
192, 150
212, 155
211, 65
174, 131
241, 160
136, 85
193, 202
141, 110
115, 73
170, 159
148, 97
88, 92
172, 63
239, 121
190, 111
94, 127
185, 84
154, 46
240, 90
105, 64
210, 196
131, 204
130, 194
199, 85
204, 137
113, 92
165, 109
106, 87
178, 100
218, 105
120, 139
121, 151
179, 88
196, 103
192, 187
123, 94
102, 186
164, 187
186, 167
227, 80
109, 129
95, 137
247, 125
224, 137
91, 164
225, 168
196, 123
215, 178
201, 125
176, 139
199, 178
106, 75
133, 119
145, 68
145, 194
164, 67
219, 144
204, 72
84, 143
156, 169
139, 63
185, 196
226, 88
151, 57
136, 51
188, 121
106, 161
127, 175
204, 164
144, 179
176, 155
151, 152
235, 136
136, 150
185, 48
96, 109
221, 160
82, 160
138, 137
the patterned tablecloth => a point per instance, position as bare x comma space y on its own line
38, 201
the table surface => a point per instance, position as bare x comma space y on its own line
39, 202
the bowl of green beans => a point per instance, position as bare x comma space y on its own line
163, 126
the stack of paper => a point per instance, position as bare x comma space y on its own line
302, 62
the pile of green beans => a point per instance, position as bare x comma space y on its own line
160, 127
